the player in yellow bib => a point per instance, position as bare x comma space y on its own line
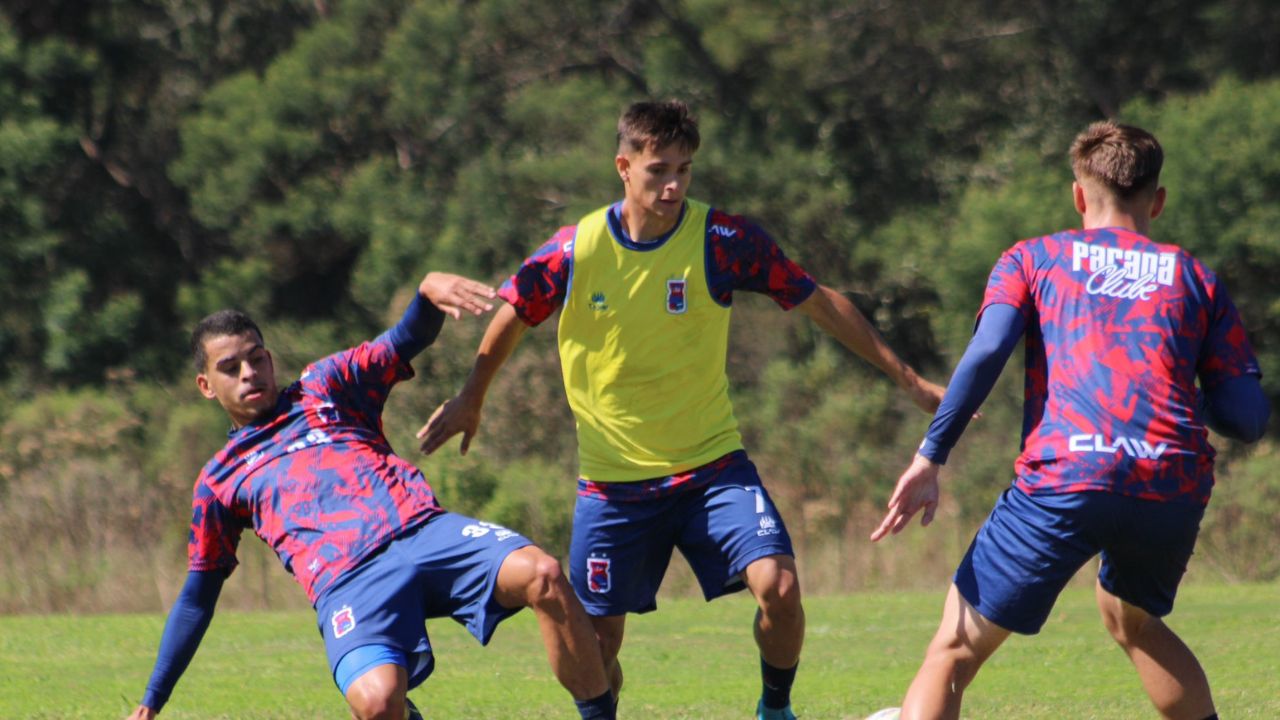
645, 288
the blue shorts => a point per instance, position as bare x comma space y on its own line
620, 549
446, 567
1031, 546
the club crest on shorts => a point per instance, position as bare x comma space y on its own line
598, 578
676, 303
343, 621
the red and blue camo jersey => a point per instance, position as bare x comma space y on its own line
1118, 330
318, 481
739, 256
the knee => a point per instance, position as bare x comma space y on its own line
609, 634
1126, 623
780, 595
547, 584
610, 644
375, 706
954, 660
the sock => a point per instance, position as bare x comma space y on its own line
777, 685
599, 708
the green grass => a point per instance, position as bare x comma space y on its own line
688, 660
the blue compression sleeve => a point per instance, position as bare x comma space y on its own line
188, 619
418, 327
1237, 408
998, 333
362, 659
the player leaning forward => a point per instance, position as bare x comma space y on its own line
309, 470
1115, 457
645, 287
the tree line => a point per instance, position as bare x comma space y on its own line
307, 161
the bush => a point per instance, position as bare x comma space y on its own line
1240, 527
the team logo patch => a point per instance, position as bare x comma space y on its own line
343, 621
598, 578
676, 297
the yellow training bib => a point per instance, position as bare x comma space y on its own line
642, 349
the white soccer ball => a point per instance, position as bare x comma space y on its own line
886, 714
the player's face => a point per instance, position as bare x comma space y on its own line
239, 374
657, 179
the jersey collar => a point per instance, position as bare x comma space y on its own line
619, 232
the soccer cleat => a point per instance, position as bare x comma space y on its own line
414, 713
764, 713
886, 714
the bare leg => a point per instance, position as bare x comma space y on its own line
779, 624
1169, 671
962, 644
609, 630
529, 577
379, 694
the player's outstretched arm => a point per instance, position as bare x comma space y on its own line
917, 490
183, 631
835, 314
461, 414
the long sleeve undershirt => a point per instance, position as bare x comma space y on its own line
418, 327
188, 619
1237, 408
998, 333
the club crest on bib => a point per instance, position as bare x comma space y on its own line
676, 303
343, 621
598, 578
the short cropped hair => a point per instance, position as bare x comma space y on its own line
657, 125
223, 322
1126, 160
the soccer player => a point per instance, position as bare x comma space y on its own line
645, 287
1115, 456
309, 469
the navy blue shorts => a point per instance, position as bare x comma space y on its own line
446, 567
1031, 546
620, 550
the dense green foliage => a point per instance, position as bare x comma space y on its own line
308, 161
690, 660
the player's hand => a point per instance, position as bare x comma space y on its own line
457, 415
926, 395
455, 294
142, 713
917, 490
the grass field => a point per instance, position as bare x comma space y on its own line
688, 660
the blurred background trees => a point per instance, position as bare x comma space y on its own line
307, 161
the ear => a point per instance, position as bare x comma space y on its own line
1077, 195
1157, 205
623, 164
202, 383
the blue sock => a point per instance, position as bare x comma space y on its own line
777, 685
599, 708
